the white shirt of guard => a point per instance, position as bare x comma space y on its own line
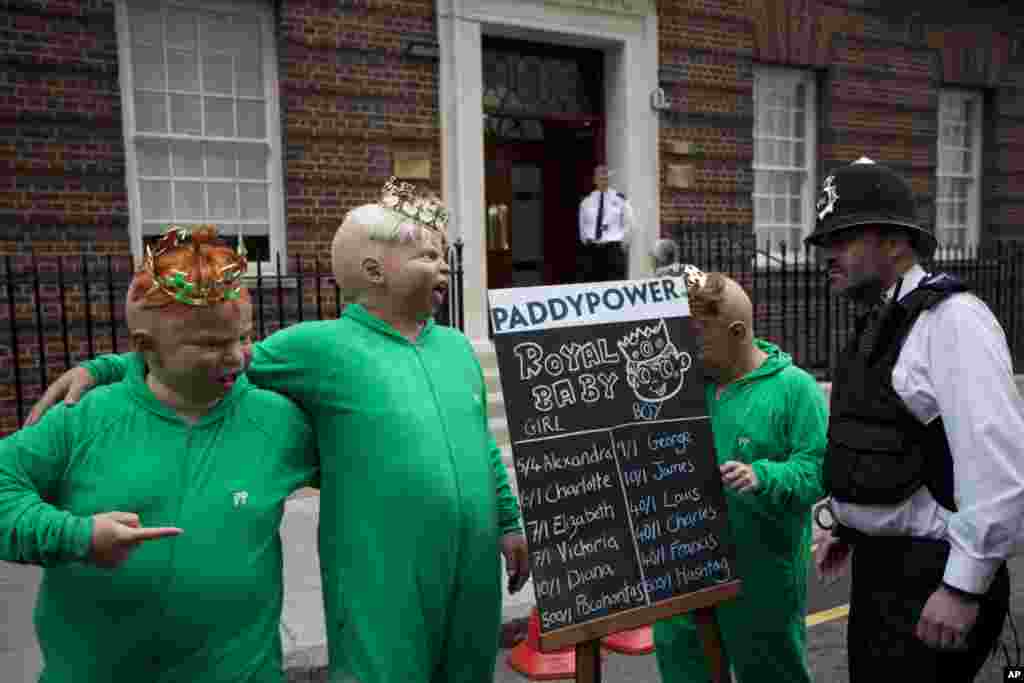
955, 364
617, 218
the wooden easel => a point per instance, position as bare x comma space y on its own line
588, 652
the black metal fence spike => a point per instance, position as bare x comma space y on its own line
793, 303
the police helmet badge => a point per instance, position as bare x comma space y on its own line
829, 196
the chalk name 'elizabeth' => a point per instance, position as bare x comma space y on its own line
569, 523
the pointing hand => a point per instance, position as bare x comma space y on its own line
116, 534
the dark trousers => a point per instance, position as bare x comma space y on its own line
603, 262
893, 577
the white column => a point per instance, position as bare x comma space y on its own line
462, 155
631, 74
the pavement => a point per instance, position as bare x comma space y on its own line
302, 625
303, 634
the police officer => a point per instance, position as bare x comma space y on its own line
606, 221
924, 465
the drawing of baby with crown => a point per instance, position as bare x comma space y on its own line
655, 368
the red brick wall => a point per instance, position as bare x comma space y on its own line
62, 156
705, 69
880, 76
62, 189
352, 99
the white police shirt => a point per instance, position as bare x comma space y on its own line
955, 364
617, 218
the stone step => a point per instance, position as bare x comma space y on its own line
492, 380
496, 405
499, 427
506, 457
486, 354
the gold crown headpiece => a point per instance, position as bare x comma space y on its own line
402, 198
694, 277
226, 286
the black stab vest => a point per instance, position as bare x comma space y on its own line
879, 453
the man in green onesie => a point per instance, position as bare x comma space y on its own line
183, 443
416, 502
769, 421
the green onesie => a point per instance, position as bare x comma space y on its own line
414, 496
775, 419
202, 607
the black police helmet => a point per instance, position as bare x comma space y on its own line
865, 193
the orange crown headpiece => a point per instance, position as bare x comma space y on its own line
225, 285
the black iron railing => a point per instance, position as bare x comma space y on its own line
795, 307
56, 311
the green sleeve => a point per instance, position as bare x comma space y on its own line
278, 364
508, 505
32, 530
795, 482
108, 368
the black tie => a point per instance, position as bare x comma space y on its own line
600, 217
867, 325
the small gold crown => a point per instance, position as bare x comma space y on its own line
646, 343
694, 277
401, 197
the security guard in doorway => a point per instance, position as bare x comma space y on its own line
606, 221
923, 465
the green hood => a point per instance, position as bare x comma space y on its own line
777, 361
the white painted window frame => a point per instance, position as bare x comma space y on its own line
275, 202
973, 225
789, 78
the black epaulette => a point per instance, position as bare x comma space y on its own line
621, 196
898, 317
944, 283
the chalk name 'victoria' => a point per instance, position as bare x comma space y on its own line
582, 549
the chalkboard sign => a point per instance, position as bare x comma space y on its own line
622, 500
